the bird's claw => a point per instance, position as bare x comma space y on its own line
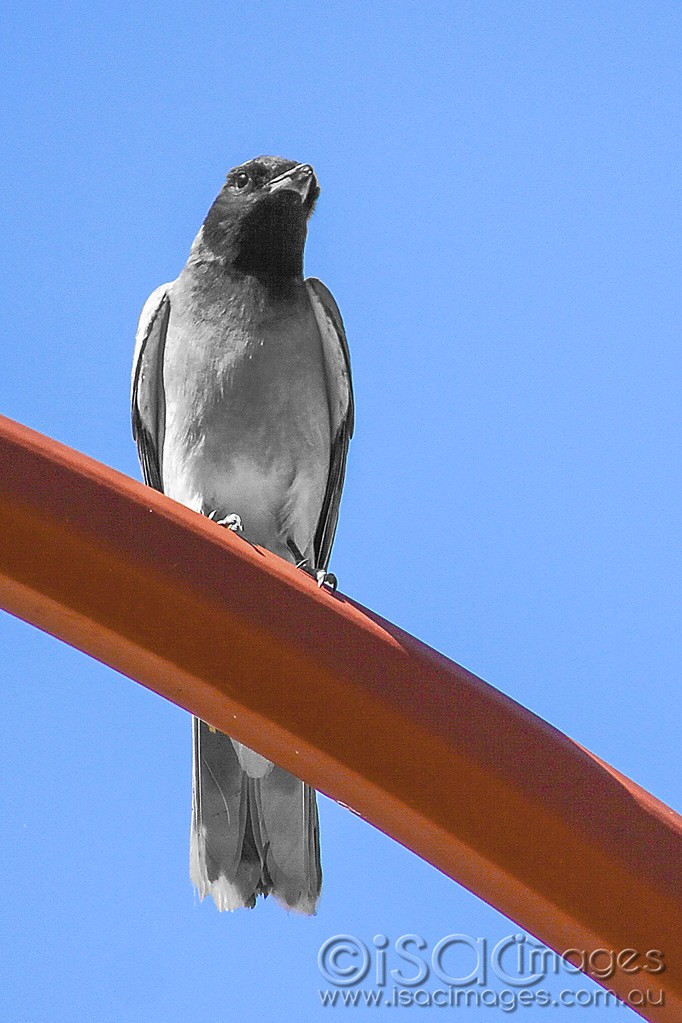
233, 522
326, 579
321, 577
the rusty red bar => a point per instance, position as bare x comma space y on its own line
483, 789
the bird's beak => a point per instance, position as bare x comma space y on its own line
298, 179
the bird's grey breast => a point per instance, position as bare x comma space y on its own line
247, 420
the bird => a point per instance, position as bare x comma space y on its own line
243, 410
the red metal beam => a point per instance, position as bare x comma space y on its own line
483, 789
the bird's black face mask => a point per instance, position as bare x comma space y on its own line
258, 223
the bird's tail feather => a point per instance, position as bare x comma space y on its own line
251, 835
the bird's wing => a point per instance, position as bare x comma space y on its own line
147, 394
341, 410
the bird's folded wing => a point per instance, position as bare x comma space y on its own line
341, 410
147, 394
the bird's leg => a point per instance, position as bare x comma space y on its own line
233, 522
321, 577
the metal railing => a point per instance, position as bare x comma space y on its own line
499, 800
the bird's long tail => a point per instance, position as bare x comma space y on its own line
254, 827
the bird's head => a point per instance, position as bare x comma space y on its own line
259, 220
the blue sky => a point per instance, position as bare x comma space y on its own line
500, 224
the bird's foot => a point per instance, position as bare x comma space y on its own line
326, 579
233, 522
321, 577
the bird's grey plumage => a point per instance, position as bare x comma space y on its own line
147, 394
242, 404
341, 410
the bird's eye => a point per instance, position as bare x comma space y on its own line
242, 179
